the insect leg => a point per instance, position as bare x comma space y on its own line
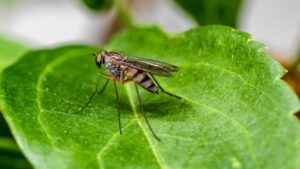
118, 106
104, 87
144, 114
93, 94
163, 90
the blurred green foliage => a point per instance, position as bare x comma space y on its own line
296, 66
213, 11
4, 130
203, 11
98, 4
10, 155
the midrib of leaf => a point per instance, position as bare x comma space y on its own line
114, 136
143, 127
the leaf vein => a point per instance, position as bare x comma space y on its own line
154, 151
234, 74
108, 143
233, 121
43, 73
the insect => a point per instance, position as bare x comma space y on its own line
122, 69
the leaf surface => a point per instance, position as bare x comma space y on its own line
235, 112
10, 155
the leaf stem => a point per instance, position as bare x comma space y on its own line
123, 12
296, 66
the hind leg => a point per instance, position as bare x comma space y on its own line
163, 90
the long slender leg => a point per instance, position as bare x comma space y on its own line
118, 106
144, 114
104, 87
163, 90
93, 94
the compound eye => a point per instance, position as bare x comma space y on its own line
99, 64
98, 60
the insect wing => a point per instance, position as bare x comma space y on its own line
149, 68
153, 63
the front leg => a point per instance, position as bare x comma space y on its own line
122, 76
94, 92
104, 75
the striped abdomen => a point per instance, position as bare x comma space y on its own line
141, 79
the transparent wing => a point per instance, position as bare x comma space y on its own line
151, 66
153, 63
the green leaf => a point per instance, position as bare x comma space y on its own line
213, 11
10, 155
10, 51
235, 111
296, 65
123, 15
98, 4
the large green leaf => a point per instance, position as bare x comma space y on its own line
235, 111
213, 11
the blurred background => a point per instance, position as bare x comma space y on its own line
45, 23
49, 23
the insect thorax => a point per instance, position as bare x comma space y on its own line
113, 66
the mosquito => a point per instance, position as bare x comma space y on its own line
121, 68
